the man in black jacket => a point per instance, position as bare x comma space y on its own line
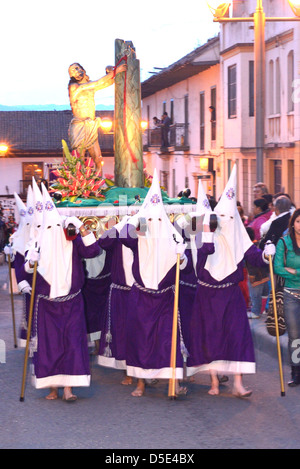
279, 225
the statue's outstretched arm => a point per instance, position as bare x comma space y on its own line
104, 82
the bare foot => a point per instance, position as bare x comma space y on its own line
127, 380
53, 394
214, 391
139, 390
96, 349
68, 395
241, 392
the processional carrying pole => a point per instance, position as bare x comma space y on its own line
28, 331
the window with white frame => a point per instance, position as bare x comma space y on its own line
232, 91
202, 120
278, 86
271, 88
290, 79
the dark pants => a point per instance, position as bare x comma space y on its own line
292, 320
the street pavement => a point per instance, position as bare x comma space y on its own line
107, 417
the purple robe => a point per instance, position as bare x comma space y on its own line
59, 338
95, 293
150, 322
220, 335
22, 276
187, 293
112, 350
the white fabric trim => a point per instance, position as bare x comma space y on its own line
183, 221
266, 260
94, 336
22, 343
184, 263
111, 362
61, 381
106, 210
23, 284
94, 266
28, 269
89, 239
207, 237
224, 366
162, 373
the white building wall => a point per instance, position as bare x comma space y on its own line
184, 167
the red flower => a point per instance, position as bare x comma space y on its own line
63, 182
88, 172
89, 163
56, 172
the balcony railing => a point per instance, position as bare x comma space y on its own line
178, 138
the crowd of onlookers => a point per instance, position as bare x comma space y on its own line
269, 221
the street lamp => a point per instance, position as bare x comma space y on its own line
3, 149
106, 124
259, 20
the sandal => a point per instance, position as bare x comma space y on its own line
181, 391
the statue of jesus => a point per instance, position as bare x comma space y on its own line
83, 129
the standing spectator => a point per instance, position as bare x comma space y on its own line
280, 223
11, 227
2, 233
156, 121
259, 287
261, 213
165, 127
259, 189
291, 299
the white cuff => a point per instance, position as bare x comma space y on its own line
183, 221
23, 284
89, 239
207, 237
184, 263
28, 269
266, 260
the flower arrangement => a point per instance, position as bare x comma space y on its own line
78, 177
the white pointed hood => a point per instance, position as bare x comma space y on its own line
230, 238
20, 237
202, 207
127, 254
29, 206
157, 247
55, 264
38, 212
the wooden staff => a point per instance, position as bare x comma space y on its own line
172, 393
276, 326
12, 300
28, 331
